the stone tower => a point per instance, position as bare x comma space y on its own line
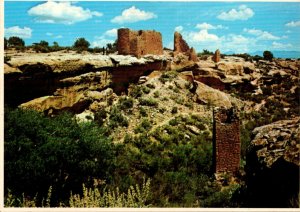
226, 140
217, 56
139, 43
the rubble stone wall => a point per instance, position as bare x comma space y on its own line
139, 43
227, 145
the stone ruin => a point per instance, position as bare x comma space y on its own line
226, 140
180, 46
217, 56
142, 42
139, 43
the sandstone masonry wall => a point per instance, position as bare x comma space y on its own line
139, 43
226, 141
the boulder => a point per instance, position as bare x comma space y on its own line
210, 96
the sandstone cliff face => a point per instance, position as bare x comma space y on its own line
58, 81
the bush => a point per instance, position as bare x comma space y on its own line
135, 91
135, 197
268, 55
143, 112
143, 127
15, 41
41, 152
5, 43
117, 119
125, 103
148, 102
81, 44
174, 110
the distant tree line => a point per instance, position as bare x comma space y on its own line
80, 45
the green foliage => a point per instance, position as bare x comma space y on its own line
100, 116
144, 126
111, 47
168, 76
143, 112
174, 110
15, 41
116, 118
135, 91
125, 103
135, 197
81, 44
268, 55
205, 52
146, 90
41, 152
257, 58
148, 102
5, 43
156, 94
42, 46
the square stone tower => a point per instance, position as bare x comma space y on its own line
226, 140
139, 43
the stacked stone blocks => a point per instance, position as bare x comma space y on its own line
139, 43
226, 141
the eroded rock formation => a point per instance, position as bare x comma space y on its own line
139, 43
273, 165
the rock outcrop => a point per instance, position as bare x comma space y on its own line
273, 165
55, 81
278, 140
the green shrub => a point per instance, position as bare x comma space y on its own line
148, 102
135, 91
143, 112
116, 118
156, 94
81, 44
174, 110
146, 90
268, 55
136, 197
41, 152
125, 103
144, 126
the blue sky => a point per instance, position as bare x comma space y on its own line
230, 26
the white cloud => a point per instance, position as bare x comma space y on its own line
202, 36
17, 31
58, 36
209, 26
243, 13
261, 35
61, 12
111, 33
288, 31
101, 42
108, 36
49, 34
132, 15
293, 24
178, 28
282, 46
